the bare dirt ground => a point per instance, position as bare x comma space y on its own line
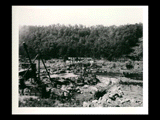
110, 91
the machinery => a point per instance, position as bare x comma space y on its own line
29, 71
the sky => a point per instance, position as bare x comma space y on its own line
85, 15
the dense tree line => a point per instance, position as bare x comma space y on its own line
110, 42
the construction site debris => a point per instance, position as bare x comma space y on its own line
80, 83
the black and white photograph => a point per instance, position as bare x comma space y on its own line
80, 59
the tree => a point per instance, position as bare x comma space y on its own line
137, 53
96, 41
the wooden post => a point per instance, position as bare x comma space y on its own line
39, 67
45, 67
30, 66
33, 70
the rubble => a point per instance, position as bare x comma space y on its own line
86, 104
125, 100
92, 90
114, 97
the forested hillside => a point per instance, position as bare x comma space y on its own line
110, 42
